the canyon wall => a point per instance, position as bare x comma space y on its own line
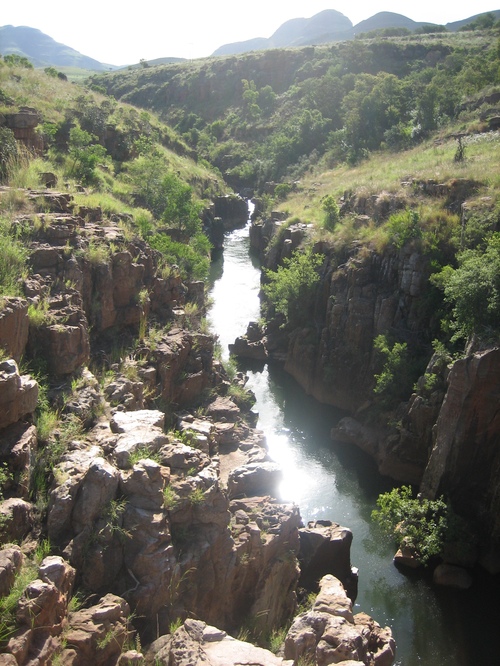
441, 435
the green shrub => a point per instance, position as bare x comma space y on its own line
331, 210
473, 290
85, 153
392, 381
403, 227
192, 258
14, 257
290, 288
420, 524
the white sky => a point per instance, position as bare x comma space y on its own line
121, 33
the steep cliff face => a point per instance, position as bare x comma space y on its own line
366, 295
444, 432
465, 460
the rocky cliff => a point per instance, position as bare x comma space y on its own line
438, 431
139, 493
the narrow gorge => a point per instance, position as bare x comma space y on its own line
151, 505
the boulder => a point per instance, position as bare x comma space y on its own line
143, 485
140, 419
97, 634
232, 209
16, 519
254, 479
449, 575
18, 394
407, 557
198, 643
325, 548
18, 445
223, 410
330, 634
11, 560
64, 337
14, 326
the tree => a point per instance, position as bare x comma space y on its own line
291, 287
419, 524
332, 213
180, 209
473, 290
86, 154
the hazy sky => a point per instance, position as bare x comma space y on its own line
120, 33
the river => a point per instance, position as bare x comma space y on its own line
432, 627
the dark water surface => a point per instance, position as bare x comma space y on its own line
432, 627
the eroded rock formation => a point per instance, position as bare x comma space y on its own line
157, 515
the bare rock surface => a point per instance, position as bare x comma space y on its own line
464, 462
330, 634
198, 643
449, 575
11, 559
325, 548
14, 326
16, 518
18, 394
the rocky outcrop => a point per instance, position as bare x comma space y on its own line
165, 513
365, 297
325, 548
330, 634
464, 463
232, 209
18, 394
198, 643
23, 124
251, 345
14, 327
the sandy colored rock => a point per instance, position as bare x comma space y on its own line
330, 634
18, 394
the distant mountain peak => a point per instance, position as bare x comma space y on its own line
42, 50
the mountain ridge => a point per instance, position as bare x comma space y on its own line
345, 30
326, 26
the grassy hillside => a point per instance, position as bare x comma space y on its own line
126, 161
271, 116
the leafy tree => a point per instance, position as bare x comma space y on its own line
15, 60
392, 381
51, 71
332, 213
192, 258
420, 524
86, 154
290, 288
473, 290
180, 209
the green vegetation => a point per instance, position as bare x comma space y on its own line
13, 266
424, 526
8, 603
473, 290
391, 381
290, 288
387, 91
